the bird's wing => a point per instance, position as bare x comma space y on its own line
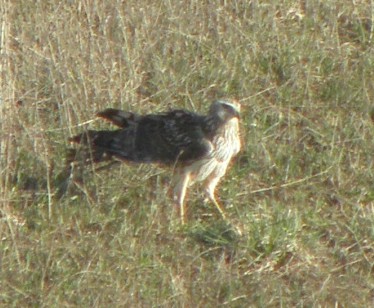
175, 136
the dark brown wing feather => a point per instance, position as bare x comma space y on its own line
167, 138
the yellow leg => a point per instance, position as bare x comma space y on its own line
180, 194
209, 190
220, 208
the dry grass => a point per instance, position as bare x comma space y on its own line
302, 188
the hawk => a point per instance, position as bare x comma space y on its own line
199, 147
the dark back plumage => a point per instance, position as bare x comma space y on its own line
166, 138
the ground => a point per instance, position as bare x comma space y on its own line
301, 190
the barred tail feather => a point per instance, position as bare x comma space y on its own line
118, 117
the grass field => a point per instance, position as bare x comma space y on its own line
302, 188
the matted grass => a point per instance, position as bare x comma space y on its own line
301, 190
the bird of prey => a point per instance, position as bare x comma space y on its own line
199, 147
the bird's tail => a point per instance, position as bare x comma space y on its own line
119, 117
95, 147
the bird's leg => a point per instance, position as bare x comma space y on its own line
209, 190
180, 190
210, 187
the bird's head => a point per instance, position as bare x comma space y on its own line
225, 110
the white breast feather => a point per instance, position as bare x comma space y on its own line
225, 146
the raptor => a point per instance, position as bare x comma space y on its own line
198, 147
